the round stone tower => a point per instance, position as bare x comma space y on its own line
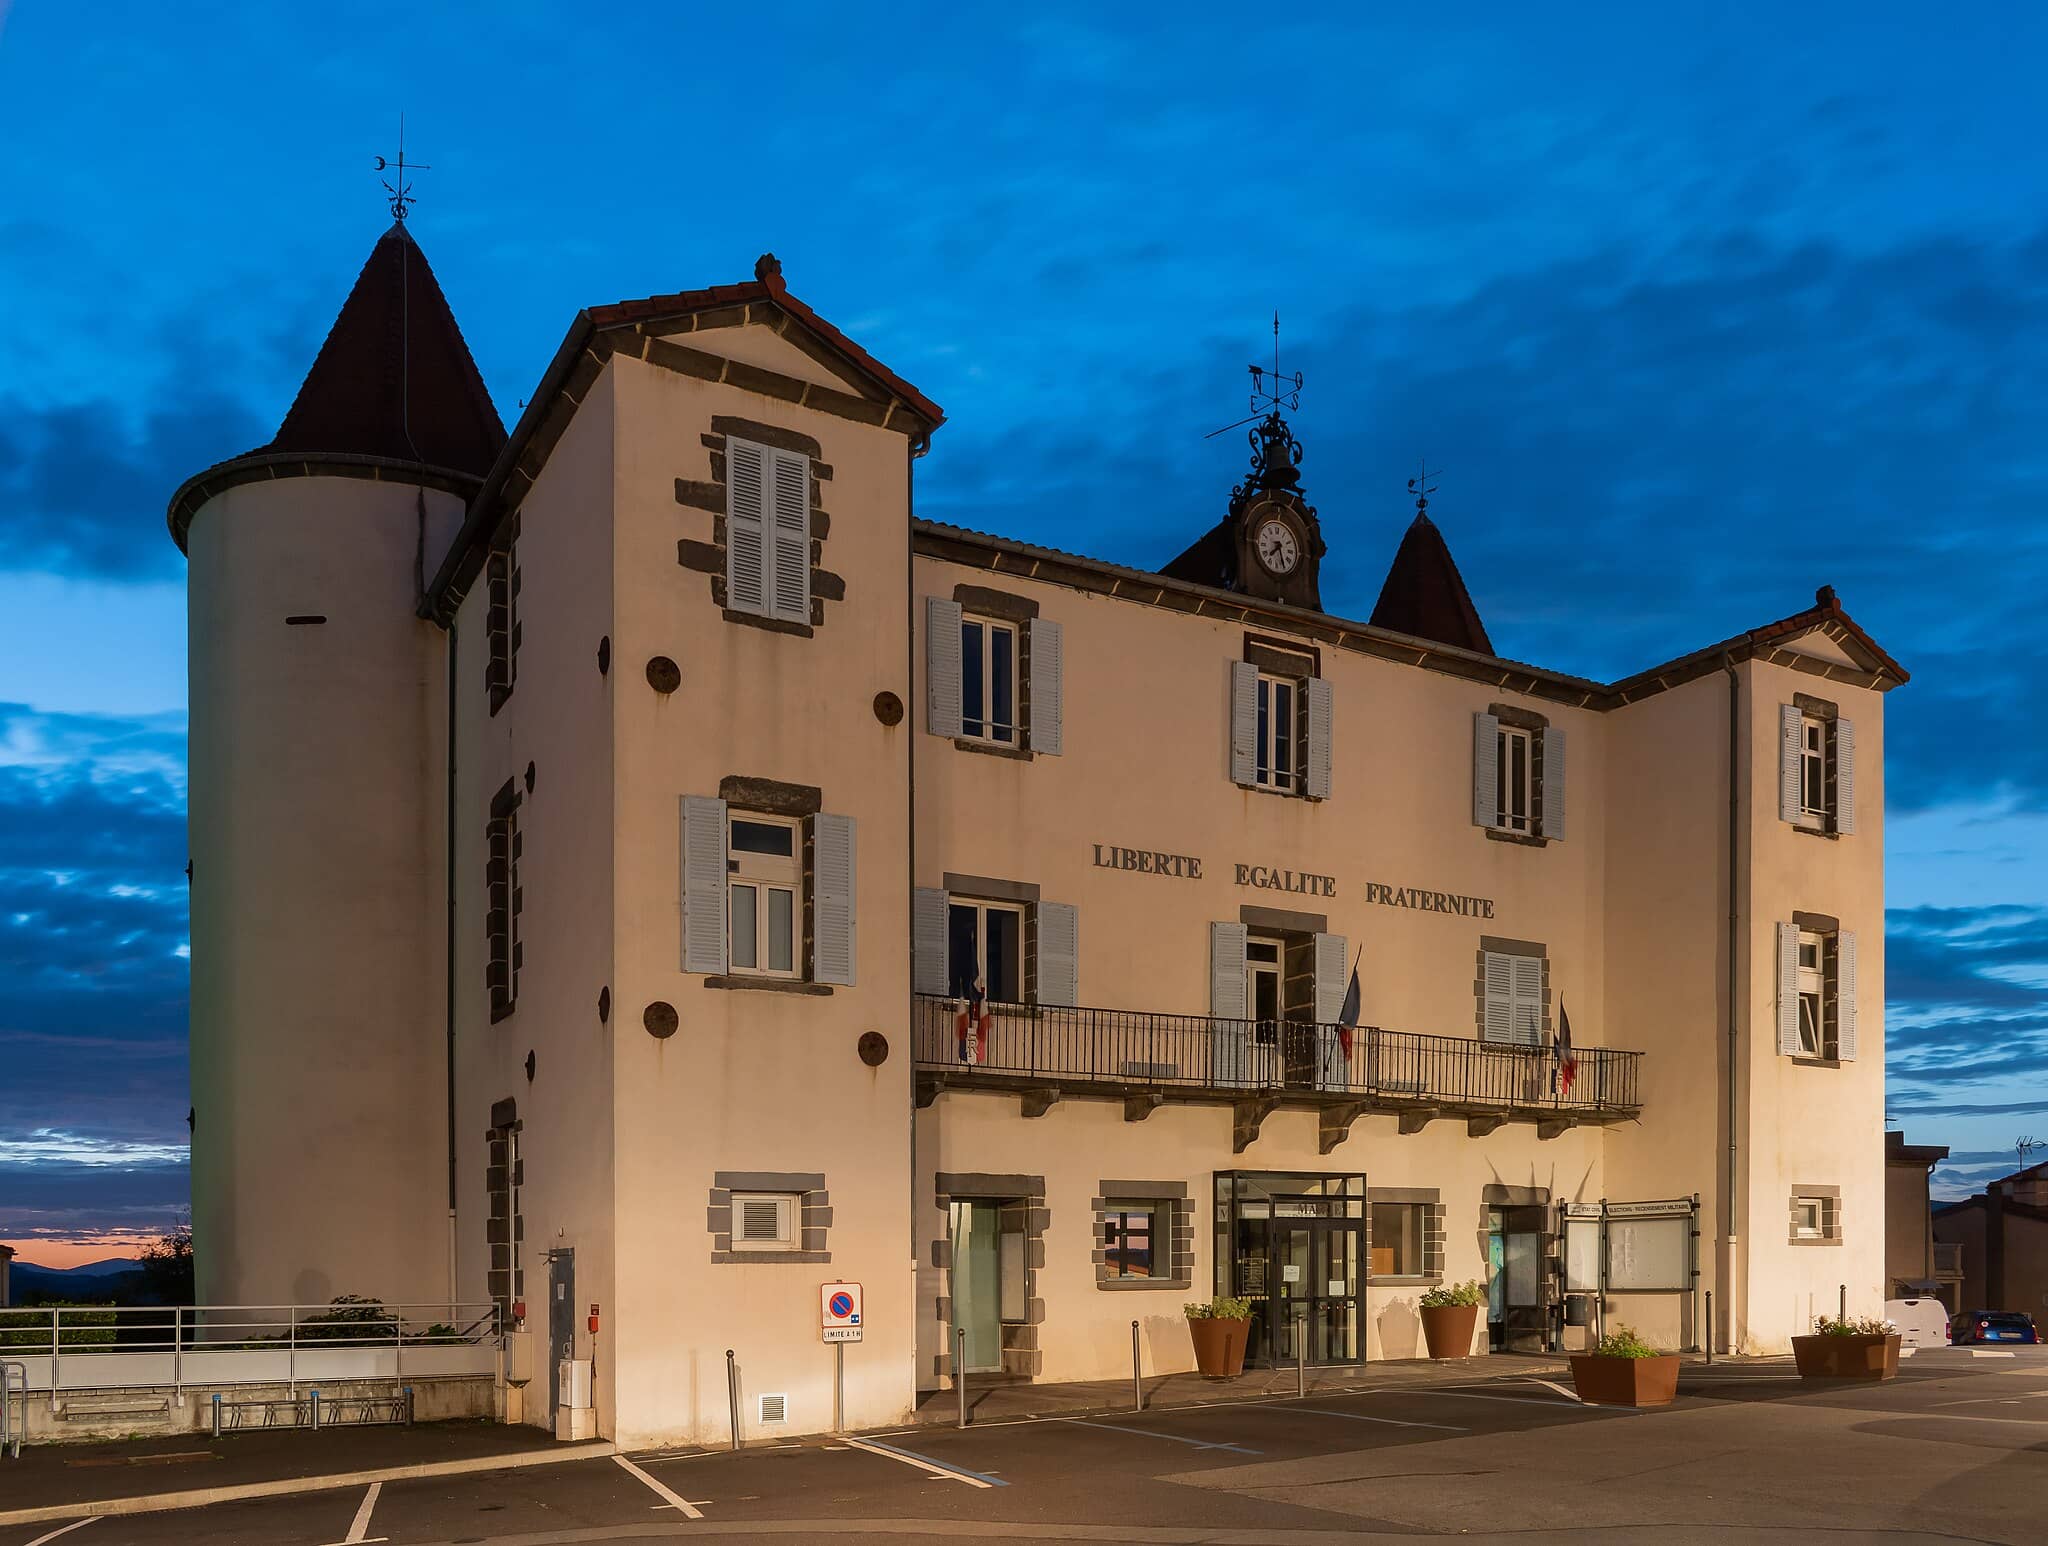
319, 703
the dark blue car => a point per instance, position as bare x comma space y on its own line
1992, 1326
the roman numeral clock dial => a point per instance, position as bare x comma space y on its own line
1277, 547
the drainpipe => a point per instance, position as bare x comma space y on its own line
917, 448
448, 965
1731, 1242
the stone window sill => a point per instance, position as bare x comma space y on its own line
1803, 1060
1814, 1240
771, 985
1139, 1285
1519, 839
1827, 832
769, 1258
993, 749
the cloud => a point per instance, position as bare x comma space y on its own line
52, 1146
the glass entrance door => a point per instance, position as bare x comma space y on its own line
1312, 1272
977, 1283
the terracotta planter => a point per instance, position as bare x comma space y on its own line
1219, 1347
1625, 1381
1846, 1358
1447, 1328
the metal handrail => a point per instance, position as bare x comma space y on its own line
1148, 1050
182, 1331
13, 1379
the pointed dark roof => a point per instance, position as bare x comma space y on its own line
394, 379
1425, 596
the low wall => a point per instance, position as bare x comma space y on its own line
141, 1411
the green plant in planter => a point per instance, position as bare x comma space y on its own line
1860, 1326
1622, 1342
1221, 1308
1445, 1296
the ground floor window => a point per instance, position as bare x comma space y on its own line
1397, 1229
1128, 1232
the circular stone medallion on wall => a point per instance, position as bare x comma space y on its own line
663, 674
873, 1047
660, 1020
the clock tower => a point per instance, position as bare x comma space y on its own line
1270, 545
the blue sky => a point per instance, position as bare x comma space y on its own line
1700, 306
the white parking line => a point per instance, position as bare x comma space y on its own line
674, 1500
925, 1463
359, 1529
1358, 1417
1171, 1438
61, 1530
1979, 1352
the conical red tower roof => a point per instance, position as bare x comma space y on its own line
1425, 596
394, 378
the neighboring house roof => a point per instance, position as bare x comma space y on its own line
2011, 1209
1424, 595
393, 383
1899, 1152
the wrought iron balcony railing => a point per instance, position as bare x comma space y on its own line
1197, 1055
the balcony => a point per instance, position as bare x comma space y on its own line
1146, 1059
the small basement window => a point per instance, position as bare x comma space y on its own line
764, 1221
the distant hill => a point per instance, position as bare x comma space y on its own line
100, 1282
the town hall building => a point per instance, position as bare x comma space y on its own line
639, 863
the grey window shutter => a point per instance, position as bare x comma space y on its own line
1332, 977
1791, 731
1528, 974
1046, 644
791, 536
1229, 1034
1498, 985
942, 666
1244, 721
1059, 954
1485, 770
832, 871
1845, 996
1319, 714
1845, 776
1788, 989
1550, 799
1331, 964
746, 528
703, 883
928, 941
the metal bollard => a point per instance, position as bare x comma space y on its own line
1843, 1312
408, 1406
1710, 1326
960, 1370
1137, 1373
732, 1395
316, 1410
1301, 1354
216, 1414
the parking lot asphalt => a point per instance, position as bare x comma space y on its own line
1955, 1449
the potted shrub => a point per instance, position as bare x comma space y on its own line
1848, 1349
1220, 1328
1624, 1370
1449, 1316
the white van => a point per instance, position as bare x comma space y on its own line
1921, 1322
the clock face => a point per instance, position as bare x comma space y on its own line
1277, 547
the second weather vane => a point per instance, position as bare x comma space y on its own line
400, 192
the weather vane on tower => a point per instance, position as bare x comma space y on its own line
1422, 488
400, 193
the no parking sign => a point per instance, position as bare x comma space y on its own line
839, 1314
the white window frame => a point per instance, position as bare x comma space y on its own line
1265, 761
1817, 1209
789, 1211
981, 910
989, 627
763, 875
1813, 986
1813, 771
1507, 788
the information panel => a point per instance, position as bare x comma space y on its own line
1649, 1253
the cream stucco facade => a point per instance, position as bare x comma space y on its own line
568, 772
